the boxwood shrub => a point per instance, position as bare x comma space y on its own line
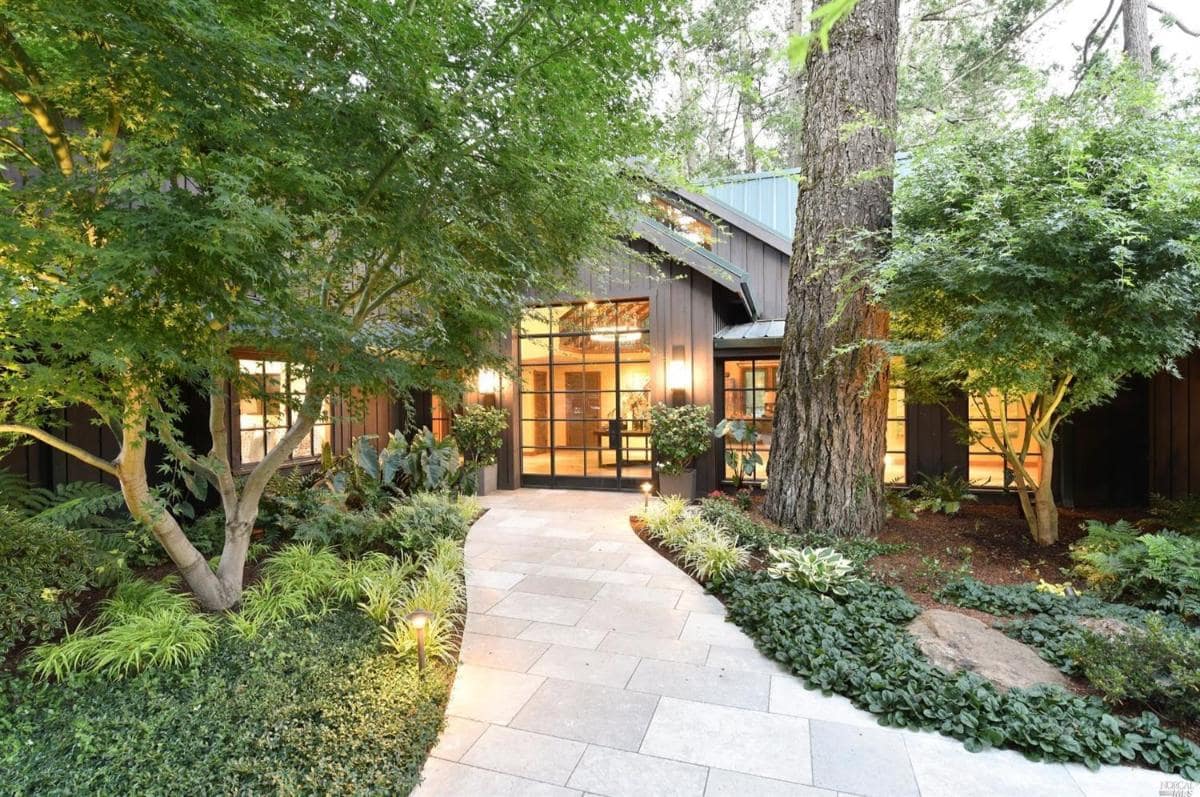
857, 646
304, 708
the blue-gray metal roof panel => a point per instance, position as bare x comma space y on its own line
755, 333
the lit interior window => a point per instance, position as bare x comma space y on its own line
895, 460
268, 392
695, 230
986, 464
749, 389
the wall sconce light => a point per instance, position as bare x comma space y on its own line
488, 381
646, 488
679, 377
417, 621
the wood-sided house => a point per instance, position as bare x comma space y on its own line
707, 330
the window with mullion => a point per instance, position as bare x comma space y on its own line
749, 396
267, 395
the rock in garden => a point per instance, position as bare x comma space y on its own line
1107, 627
956, 642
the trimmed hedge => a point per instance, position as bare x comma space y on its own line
857, 646
304, 708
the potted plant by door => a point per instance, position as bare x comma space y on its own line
678, 435
477, 430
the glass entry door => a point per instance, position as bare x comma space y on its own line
585, 394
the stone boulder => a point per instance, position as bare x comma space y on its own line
956, 642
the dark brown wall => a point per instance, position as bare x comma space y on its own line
934, 439
1174, 412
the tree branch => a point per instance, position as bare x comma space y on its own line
47, 118
62, 445
1174, 20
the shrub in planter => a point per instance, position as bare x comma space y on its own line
477, 430
678, 435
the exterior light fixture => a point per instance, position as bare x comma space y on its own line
646, 488
488, 381
678, 376
417, 621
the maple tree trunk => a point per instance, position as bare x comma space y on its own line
826, 464
1043, 524
1137, 33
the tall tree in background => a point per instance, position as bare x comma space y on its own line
1137, 33
826, 464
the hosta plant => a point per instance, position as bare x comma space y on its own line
821, 569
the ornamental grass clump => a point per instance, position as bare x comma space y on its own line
143, 625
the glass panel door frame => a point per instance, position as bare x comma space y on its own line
585, 367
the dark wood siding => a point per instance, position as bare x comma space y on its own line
768, 268
933, 437
1174, 430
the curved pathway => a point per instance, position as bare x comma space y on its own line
590, 664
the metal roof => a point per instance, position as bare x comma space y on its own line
766, 197
756, 333
769, 198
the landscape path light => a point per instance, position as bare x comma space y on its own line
646, 488
417, 621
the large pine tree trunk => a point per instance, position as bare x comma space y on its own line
826, 464
1136, 30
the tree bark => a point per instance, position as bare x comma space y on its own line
1044, 523
1137, 33
146, 508
826, 465
795, 90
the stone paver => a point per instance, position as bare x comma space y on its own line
591, 665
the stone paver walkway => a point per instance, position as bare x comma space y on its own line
591, 665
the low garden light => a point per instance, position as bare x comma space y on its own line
646, 488
417, 621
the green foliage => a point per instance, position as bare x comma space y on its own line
304, 709
335, 526
944, 493
712, 555
477, 430
1048, 256
1155, 666
1007, 600
143, 626
43, 570
746, 530
821, 569
329, 199
1155, 570
1180, 514
900, 506
428, 464
710, 551
743, 459
678, 435
856, 645
415, 523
